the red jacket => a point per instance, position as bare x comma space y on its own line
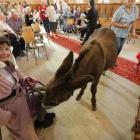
42, 12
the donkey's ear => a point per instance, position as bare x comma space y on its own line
65, 66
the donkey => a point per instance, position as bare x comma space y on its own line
97, 55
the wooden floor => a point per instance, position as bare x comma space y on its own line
116, 104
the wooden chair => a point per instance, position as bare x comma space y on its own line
36, 29
29, 38
69, 24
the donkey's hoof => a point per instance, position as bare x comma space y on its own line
94, 108
78, 98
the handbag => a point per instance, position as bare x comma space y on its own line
33, 97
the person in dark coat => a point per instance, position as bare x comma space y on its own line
92, 17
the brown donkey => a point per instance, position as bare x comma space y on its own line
97, 55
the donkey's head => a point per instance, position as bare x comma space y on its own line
61, 87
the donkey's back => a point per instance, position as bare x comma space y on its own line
98, 54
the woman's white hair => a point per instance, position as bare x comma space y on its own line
27, 9
13, 11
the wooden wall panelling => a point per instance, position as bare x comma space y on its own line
109, 12
102, 11
97, 7
105, 10
115, 7
82, 6
35, 6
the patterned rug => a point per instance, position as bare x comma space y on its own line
125, 67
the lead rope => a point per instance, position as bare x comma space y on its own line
30, 94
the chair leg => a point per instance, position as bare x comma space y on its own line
44, 48
48, 39
27, 47
38, 52
0, 134
35, 57
134, 40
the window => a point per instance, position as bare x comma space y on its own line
137, 1
80, 1
103, 1
106, 1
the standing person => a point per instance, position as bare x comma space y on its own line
44, 18
52, 16
92, 17
14, 109
123, 19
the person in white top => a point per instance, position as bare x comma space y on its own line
52, 16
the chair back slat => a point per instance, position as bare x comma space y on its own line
36, 27
70, 21
28, 34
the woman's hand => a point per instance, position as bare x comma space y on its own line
124, 26
119, 25
32, 82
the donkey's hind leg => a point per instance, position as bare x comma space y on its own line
81, 92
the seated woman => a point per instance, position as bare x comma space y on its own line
82, 26
68, 16
14, 110
6, 30
16, 22
28, 16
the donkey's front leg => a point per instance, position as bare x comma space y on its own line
93, 99
81, 92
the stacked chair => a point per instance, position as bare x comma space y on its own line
33, 40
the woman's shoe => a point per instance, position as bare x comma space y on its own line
43, 124
49, 116
55, 36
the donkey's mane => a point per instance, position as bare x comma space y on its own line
78, 60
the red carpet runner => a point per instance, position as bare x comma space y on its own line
125, 67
